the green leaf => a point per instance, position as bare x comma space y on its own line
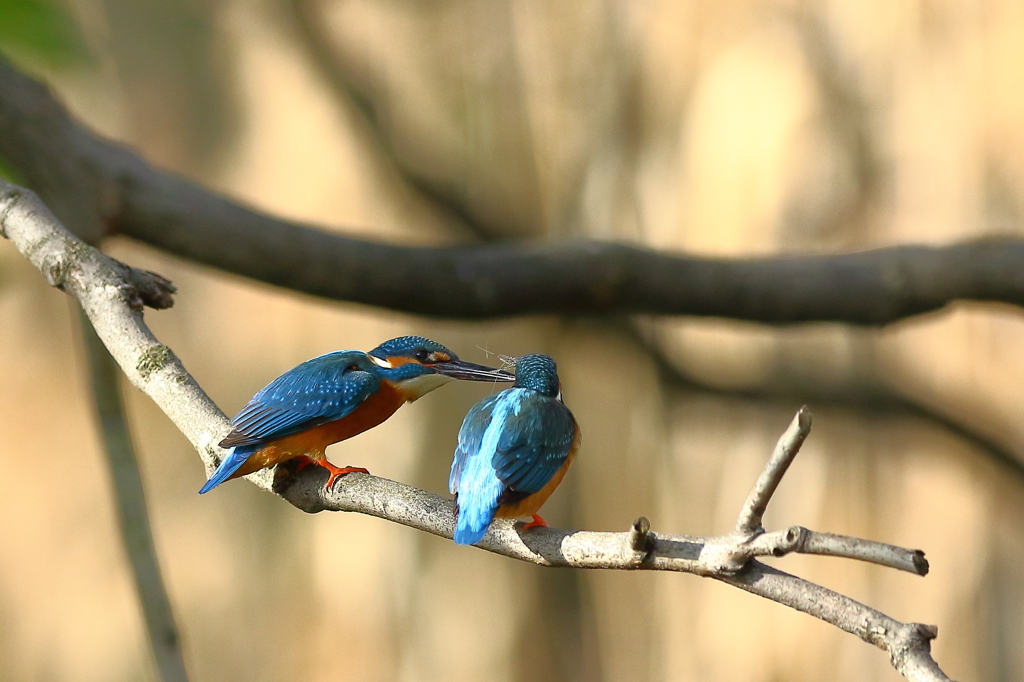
9, 173
41, 31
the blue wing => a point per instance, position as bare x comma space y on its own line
534, 444
512, 442
318, 391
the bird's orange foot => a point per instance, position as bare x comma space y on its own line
338, 472
537, 522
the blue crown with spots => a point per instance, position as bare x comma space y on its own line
537, 372
408, 346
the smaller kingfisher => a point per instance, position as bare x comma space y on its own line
514, 449
336, 396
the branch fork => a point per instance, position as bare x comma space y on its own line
111, 294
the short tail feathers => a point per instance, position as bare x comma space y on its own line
472, 522
237, 456
464, 535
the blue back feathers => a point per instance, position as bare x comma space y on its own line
318, 391
510, 445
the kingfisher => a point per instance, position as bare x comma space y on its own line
514, 449
334, 397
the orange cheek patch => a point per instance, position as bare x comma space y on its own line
397, 360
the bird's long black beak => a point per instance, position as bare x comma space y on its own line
468, 371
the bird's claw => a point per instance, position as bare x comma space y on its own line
338, 472
537, 522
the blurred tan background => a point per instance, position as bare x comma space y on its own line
721, 128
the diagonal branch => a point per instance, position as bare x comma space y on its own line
96, 185
108, 296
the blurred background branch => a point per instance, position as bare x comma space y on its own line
132, 513
860, 393
583, 277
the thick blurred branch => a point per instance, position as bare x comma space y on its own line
863, 395
97, 185
109, 298
132, 514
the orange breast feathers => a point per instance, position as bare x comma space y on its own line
312, 443
532, 504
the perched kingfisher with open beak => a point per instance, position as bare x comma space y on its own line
514, 449
336, 396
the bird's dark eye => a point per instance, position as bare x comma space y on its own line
421, 355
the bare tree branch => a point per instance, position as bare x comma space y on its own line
104, 288
908, 644
132, 514
107, 292
749, 520
102, 184
830, 544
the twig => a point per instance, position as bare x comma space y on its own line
104, 288
749, 520
132, 514
96, 186
830, 544
640, 540
799, 540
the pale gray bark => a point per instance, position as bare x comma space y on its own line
789, 444
113, 294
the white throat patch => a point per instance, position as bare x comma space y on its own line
380, 363
417, 387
